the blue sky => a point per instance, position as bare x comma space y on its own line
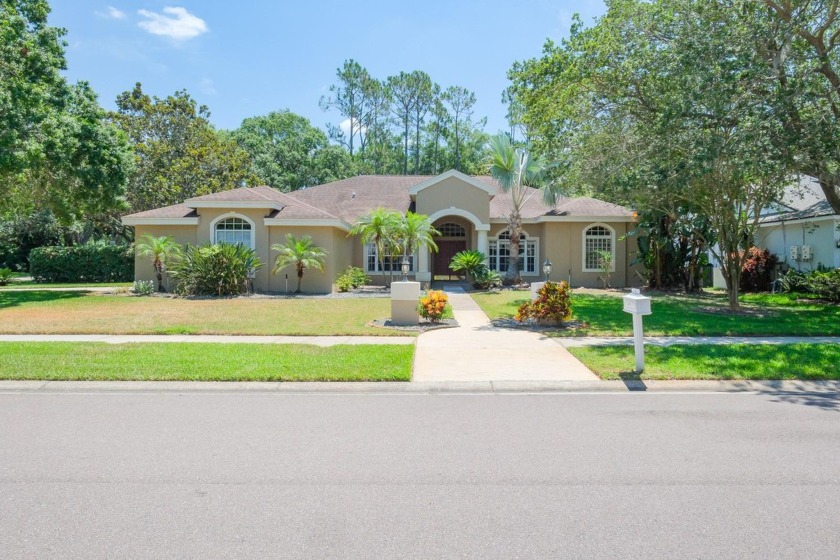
250, 57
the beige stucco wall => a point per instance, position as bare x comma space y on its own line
183, 235
339, 256
562, 244
453, 192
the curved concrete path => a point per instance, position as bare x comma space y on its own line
478, 351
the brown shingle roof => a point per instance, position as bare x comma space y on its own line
175, 211
348, 199
243, 194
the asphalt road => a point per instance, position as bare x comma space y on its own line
213, 475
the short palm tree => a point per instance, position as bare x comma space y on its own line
301, 253
161, 250
516, 170
378, 227
415, 231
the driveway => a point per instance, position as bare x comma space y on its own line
478, 351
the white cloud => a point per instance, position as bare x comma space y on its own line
111, 13
345, 127
175, 23
207, 87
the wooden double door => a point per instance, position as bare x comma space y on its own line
447, 248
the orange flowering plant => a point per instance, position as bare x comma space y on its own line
433, 305
552, 306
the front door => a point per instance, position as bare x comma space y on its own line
447, 250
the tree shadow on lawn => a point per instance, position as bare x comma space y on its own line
14, 298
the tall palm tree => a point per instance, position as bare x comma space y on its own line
301, 253
378, 227
415, 231
516, 170
161, 250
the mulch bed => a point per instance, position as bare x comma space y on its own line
531, 325
422, 327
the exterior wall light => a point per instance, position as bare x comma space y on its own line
547, 269
405, 266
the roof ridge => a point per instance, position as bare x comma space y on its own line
299, 201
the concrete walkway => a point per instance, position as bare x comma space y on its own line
672, 340
478, 351
219, 339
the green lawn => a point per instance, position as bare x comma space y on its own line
705, 361
51, 361
17, 285
55, 312
703, 315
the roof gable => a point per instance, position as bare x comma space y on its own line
432, 181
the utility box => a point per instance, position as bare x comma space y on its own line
794, 253
405, 296
636, 303
806, 253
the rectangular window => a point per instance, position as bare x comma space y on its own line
499, 256
390, 263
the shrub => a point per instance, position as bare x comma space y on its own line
825, 284
20, 234
143, 287
486, 278
91, 262
552, 306
795, 282
757, 272
215, 270
6, 275
470, 262
433, 305
351, 278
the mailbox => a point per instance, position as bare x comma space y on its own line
636, 303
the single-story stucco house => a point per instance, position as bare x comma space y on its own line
470, 212
802, 229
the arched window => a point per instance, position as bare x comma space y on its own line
598, 239
500, 253
451, 230
236, 231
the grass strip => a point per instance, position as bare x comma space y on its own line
709, 361
145, 361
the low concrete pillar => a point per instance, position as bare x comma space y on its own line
535, 286
404, 299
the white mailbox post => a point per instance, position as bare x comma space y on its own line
638, 305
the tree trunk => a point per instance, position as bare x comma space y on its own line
300, 278
512, 277
733, 288
405, 147
159, 272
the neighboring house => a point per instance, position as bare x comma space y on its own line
802, 229
470, 212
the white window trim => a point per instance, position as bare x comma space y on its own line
366, 254
583, 246
528, 237
234, 215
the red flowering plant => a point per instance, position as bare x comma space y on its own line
552, 306
433, 305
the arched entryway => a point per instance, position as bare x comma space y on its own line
455, 236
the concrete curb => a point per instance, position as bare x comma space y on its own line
480, 387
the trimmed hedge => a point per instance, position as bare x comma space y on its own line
92, 262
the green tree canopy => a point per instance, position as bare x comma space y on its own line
288, 153
56, 145
178, 153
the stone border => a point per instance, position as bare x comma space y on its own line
424, 326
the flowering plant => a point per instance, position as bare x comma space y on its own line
553, 304
433, 305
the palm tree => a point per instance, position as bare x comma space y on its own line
161, 250
378, 227
300, 253
516, 170
415, 231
